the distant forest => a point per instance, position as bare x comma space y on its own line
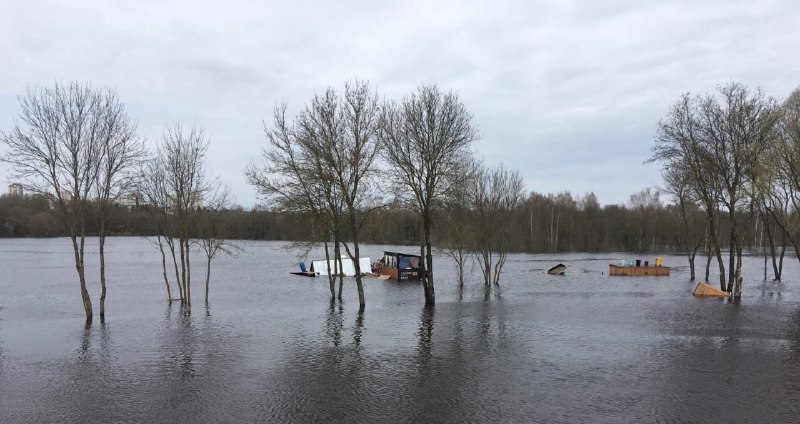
544, 224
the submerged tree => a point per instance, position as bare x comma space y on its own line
340, 133
177, 185
497, 192
456, 222
121, 153
324, 164
73, 142
690, 234
285, 179
427, 140
783, 200
720, 141
210, 235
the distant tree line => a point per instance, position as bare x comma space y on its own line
543, 223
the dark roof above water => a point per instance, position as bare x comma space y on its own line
401, 254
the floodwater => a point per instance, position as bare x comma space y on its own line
270, 347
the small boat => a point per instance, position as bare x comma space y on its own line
557, 270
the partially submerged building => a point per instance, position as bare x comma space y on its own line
401, 266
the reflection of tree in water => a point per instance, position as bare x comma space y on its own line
437, 368
771, 290
334, 322
323, 378
454, 365
488, 290
185, 342
425, 333
725, 367
89, 389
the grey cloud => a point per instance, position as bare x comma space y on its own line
555, 87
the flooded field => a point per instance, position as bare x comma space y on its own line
270, 347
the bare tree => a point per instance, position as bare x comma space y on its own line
121, 154
427, 140
62, 147
286, 178
647, 205
783, 199
179, 163
346, 154
720, 142
325, 164
210, 235
153, 188
739, 127
689, 235
455, 222
497, 192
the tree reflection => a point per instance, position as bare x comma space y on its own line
334, 322
425, 335
358, 329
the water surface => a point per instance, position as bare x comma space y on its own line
270, 347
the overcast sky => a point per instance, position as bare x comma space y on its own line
569, 93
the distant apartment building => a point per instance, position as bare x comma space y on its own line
16, 189
132, 200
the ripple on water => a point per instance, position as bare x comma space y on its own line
585, 347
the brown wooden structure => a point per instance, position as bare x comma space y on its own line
705, 289
637, 270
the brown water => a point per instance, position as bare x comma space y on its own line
270, 347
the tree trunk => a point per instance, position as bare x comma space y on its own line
87, 301
460, 268
337, 265
178, 279
430, 294
164, 268
102, 241
734, 241
357, 266
331, 278
208, 275
188, 275
773, 254
717, 251
779, 273
737, 287
355, 254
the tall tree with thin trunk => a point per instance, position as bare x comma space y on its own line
325, 165
287, 179
121, 154
783, 201
58, 148
210, 235
496, 194
720, 141
690, 233
181, 189
427, 140
456, 223
341, 133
